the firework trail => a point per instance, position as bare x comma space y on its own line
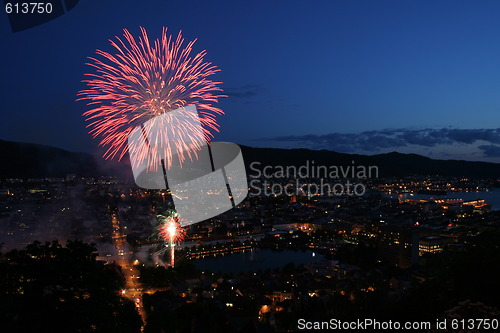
142, 80
171, 232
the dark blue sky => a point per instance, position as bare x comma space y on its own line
299, 73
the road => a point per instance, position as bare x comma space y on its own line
133, 288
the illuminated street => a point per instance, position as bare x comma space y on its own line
133, 289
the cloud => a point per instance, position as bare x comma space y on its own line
373, 141
490, 150
246, 91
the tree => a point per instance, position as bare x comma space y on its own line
54, 288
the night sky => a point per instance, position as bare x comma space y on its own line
351, 76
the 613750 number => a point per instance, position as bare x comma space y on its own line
28, 8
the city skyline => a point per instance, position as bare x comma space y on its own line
346, 189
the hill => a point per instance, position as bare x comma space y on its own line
389, 165
28, 160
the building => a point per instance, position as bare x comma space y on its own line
433, 244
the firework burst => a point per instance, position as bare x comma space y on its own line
170, 229
142, 80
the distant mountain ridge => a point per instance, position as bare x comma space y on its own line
389, 165
27, 160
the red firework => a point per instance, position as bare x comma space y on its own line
170, 229
142, 80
